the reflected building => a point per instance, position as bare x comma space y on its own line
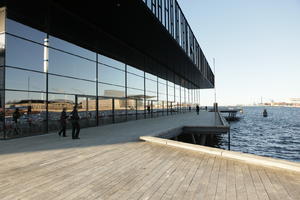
118, 61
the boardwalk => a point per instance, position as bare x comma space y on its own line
110, 163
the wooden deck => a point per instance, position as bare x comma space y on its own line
103, 165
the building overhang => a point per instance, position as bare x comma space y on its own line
123, 30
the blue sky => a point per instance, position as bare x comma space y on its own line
256, 44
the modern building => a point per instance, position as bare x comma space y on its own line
120, 60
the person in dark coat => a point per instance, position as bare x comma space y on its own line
148, 109
75, 123
197, 109
63, 123
16, 116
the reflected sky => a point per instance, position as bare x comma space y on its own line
67, 64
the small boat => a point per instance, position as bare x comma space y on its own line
265, 114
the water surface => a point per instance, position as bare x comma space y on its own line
277, 135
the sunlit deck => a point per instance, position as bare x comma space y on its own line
110, 163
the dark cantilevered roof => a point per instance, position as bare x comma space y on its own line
125, 30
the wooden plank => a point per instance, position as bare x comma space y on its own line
197, 178
204, 181
155, 180
150, 169
107, 174
133, 173
50, 180
213, 180
221, 187
241, 192
249, 184
258, 184
230, 181
180, 193
146, 191
178, 177
280, 190
290, 182
273, 195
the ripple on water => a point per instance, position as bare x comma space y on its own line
277, 135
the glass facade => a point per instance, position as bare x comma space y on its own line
41, 78
170, 15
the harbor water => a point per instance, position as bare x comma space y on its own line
277, 135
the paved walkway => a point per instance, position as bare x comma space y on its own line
110, 163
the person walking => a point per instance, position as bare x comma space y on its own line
16, 116
63, 123
197, 109
75, 123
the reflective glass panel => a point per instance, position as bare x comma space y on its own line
24, 31
69, 65
135, 70
71, 48
111, 62
110, 90
86, 110
151, 86
120, 110
24, 116
2, 49
24, 54
151, 95
105, 110
151, 77
137, 94
25, 80
56, 104
134, 81
72, 86
111, 75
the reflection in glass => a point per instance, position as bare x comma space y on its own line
111, 90
55, 106
25, 80
162, 97
131, 109
120, 109
69, 65
30, 114
59, 84
134, 81
135, 71
171, 93
133, 93
71, 48
151, 85
151, 95
151, 77
2, 53
2, 49
87, 110
105, 110
65, 92
24, 54
160, 108
111, 75
111, 62
24, 31
140, 108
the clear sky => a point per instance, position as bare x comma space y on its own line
256, 44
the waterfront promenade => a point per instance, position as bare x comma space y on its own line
109, 162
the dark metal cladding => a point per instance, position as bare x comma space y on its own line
126, 30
